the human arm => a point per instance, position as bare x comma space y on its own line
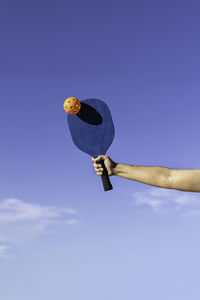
184, 180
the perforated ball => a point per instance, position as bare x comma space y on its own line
72, 105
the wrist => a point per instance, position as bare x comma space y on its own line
116, 169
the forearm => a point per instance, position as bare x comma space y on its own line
155, 176
187, 180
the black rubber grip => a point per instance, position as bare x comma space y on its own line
105, 178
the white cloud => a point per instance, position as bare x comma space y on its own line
4, 250
70, 211
21, 221
72, 221
12, 210
161, 200
188, 200
147, 199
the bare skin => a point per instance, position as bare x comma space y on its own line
187, 180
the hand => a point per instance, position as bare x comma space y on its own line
108, 162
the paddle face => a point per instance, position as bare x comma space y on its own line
92, 129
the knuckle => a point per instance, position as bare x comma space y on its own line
100, 157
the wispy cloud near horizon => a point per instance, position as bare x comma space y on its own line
21, 221
165, 200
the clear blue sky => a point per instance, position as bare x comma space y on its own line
61, 236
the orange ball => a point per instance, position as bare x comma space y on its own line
72, 105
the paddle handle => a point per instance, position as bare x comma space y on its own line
105, 178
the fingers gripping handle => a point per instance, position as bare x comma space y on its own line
105, 178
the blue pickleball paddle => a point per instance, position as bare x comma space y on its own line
92, 129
